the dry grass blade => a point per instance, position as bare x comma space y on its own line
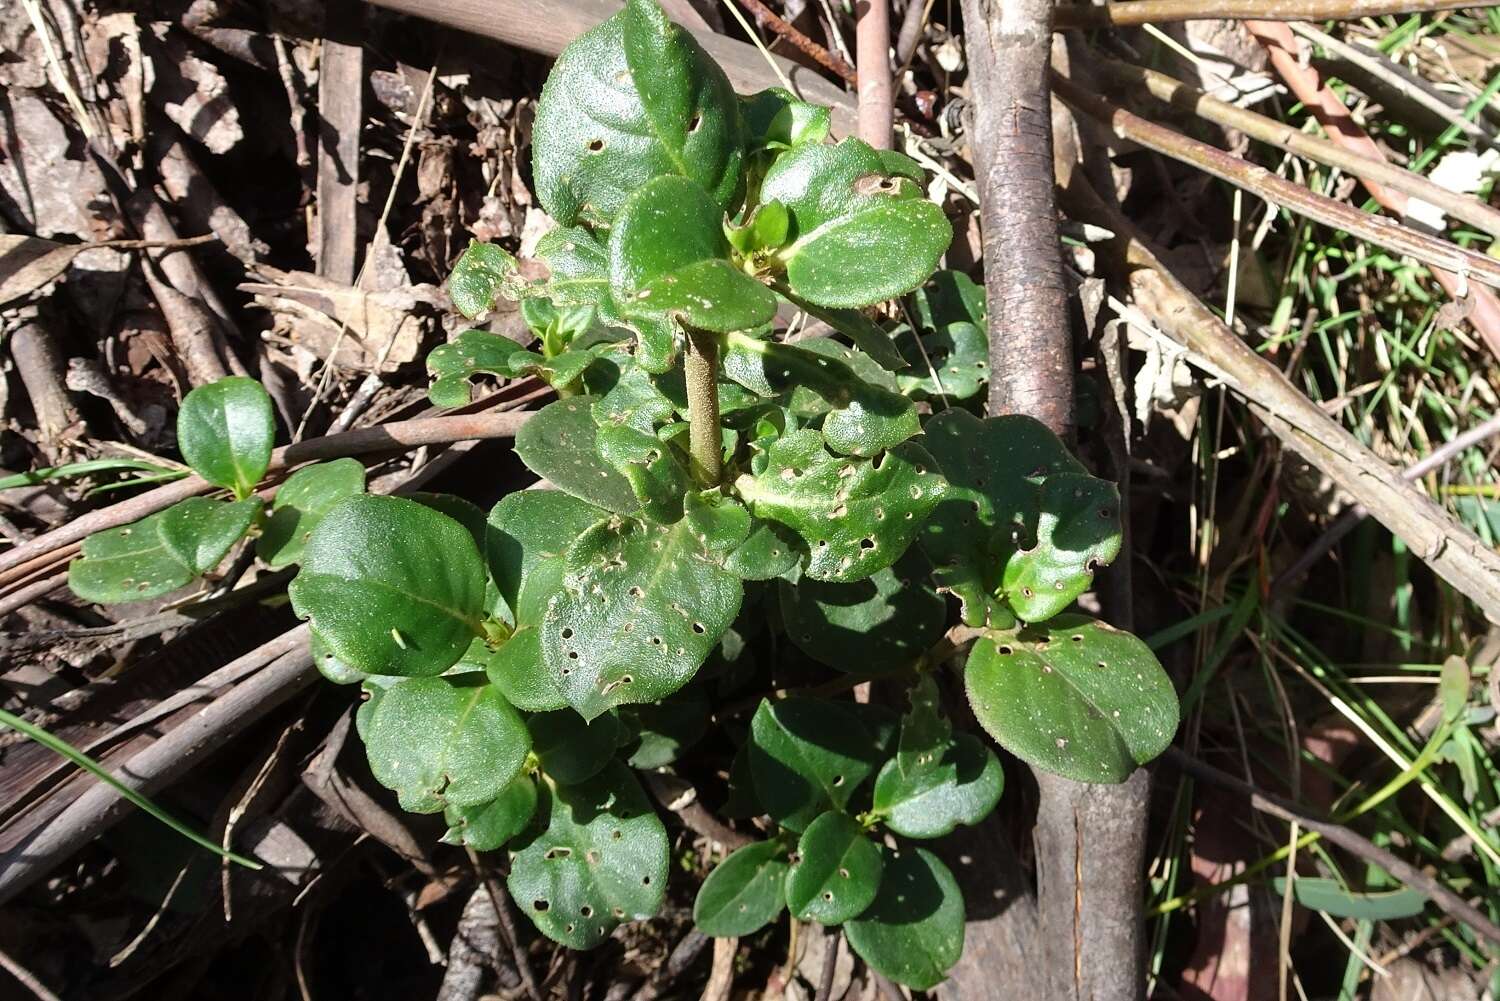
1137, 12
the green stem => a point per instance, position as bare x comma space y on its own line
701, 367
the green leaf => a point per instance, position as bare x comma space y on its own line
392, 586
868, 336
633, 99
962, 787
1022, 515
775, 118
771, 550
669, 258
641, 606
914, 931
1077, 530
744, 893
950, 349
580, 267
487, 826
808, 756
478, 278
560, 443
303, 500
861, 234
837, 872
925, 731
1329, 896
226, 430
571, 750
526, 538
883, 622
596, 856
857, 516
450, 741
1074, 696
865, 419
651, 466
665, 729
330, 667
161, 553
471, 353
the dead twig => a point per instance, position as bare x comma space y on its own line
26, 978
500, 900
1137, 12
832, 63
872, 50
1264, 184
341, 115
681, 798
44, 373
1349, 840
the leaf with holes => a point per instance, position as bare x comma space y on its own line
303, 500
527, 536
478, 352
776, 119
450, 741
330, 667
925, 731
560, 444
481, 274
579, 263
485, 827
392, 586
1077, 530
996, 469
744, 893
1073, 696
863, 419
837, 871
570, 750
883, 622
949, 350
651, 466
226, 430
669, 260
640, 608
771, 550
861, 231
856, 516
914, 931
962, 787
808, 756
633, 99
161, 553
595, 856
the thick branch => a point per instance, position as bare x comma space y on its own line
706, 441
877, 101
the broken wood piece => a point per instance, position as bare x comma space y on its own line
43, 372
340, 115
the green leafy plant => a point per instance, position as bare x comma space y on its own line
738, 528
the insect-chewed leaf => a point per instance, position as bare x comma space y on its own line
857, 516
641, 607
651, 467
744, 893
1077, 530
571, 750
1073, 696
962, 787
226, 430
633, 99
478, 277
837, 872
885, 621
450, 741
392, 586
330, 667
864, 419
996, 469
952, 359
808, 756
636, 401
526, 538
159, 554
669, 258
560, 443
914, 931
596, 856
862, 232
479, 352
303, 500
487, 826
776, 119
580, 267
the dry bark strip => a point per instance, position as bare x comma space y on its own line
547, 26
341, 80
1137, 12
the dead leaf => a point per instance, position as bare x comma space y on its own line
28, 263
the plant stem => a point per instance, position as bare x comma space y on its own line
701, 367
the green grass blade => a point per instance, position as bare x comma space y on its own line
91, 766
